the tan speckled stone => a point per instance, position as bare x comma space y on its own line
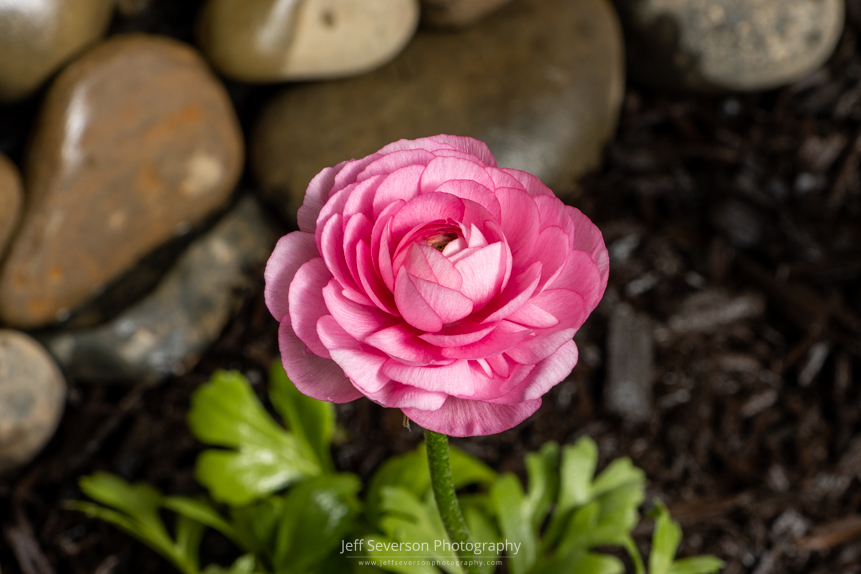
135, 142
37, 37
277, 40
32, 395
457, 13
10, 200
540, 82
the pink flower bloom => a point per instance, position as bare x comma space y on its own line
427, 279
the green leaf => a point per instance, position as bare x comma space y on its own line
225, 412
665, 541
482, 531
383, 551
510, 506
597, 564
410, 471
409, 520
203, 513
317, 514
243, 565
543, 483
312, 421
134, 509
257, 524
618, 473
696, 565
576, 471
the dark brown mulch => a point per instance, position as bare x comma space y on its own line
753, 442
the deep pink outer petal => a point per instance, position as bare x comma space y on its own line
315, 198
308, 304
291, 252
460, 417
319, 378
547, 374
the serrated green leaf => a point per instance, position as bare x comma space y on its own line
410, 471
620, 507
543, 483
202, 512
407, 519
482, 531
696, 565
317, 513
575, 473
312, 421
225, 412
243, 565
509, 503
665, 541
618, 473
593, 563
134, 509
257, 524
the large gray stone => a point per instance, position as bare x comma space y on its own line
32, 395
715, 45
540, 82
166, 332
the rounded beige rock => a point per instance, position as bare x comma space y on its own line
32, 395
38, 36
136, 141
738, 45
277, 40
11, 197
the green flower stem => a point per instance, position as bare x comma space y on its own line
446, 499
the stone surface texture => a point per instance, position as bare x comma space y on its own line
11, 197
136, 141
630, 358
457, 13
32, 396
540, 81
38, 36
277, 40
166, 332
743, 45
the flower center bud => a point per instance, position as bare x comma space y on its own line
440, 240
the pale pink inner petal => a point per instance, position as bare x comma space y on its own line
444, 169
401, 185
519, 223
483, 272
400, 342
413, 307
516, 294
424, 210
360, 321
461, 333
505, 336
372, 283
306, 293
473, 191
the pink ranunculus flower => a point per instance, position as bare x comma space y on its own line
428, 279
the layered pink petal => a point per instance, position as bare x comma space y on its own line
360, 321
443, 169
364, 368
319, 378
547, 374
401, 185
306, 293
505, 336
291, 252
459, 417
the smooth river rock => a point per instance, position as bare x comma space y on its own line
736, 45
136, 142
38, 36
32, 396
11, 197
166, 332
277, 40
540, 81
457, 13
